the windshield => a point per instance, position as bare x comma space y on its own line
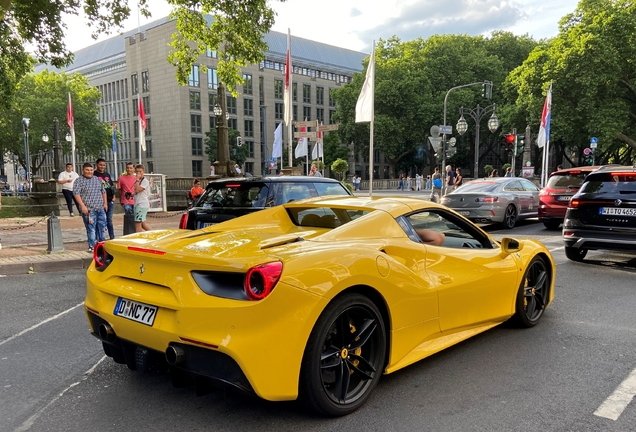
566, 180
234, 195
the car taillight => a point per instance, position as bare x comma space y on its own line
261, 280
490, 199
183, 223
574, 203
544, 192
101, 257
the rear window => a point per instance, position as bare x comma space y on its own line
610, 183
234, 195
324, 217
566, 180
290, 191
481, 186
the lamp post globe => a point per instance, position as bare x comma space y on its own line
68, 137
462, 125
45, 137
493, 123
217, 109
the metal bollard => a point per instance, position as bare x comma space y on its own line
54, 234
129, 224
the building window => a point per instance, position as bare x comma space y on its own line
331, 113
320, 115
193, 79
279, 89
249, 167
249, 128
134, 84
195, 123
247, 84
261, 89
136, 129
146, 101
197, 146
250, 148
295, 92
248, 107
295, 113
231, 104
212, 122
279, 111
332, 101
210, 53
232, 123
148, 149
197, 168
195, 100
307, 112
145, 82
213, 80
135, 103
148, 129
307, 93
320, 95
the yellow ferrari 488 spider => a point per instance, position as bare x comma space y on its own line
314, 299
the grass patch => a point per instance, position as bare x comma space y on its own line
14, 207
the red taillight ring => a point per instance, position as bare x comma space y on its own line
260, 280
99, 255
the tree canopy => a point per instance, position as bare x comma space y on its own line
43, 97
236, 33
237, 153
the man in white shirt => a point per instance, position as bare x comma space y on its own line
142, 202
67, 179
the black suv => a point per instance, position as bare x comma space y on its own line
229, 198
602, 215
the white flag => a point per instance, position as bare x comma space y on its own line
142, 126
277, 150
364, 106
317, 151
301, 148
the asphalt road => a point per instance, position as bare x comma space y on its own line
554, 377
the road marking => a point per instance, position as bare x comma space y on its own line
614, 405
29, 422
41, 323
556, 249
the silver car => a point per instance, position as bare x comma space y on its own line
500, 199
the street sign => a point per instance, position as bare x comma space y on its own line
306, 123
586, 151
446, 130
305, 134
325, 128
434, 131
272, 159
593, 145
435, 142
594, 140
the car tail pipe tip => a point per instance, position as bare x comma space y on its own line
106, 333
174, 355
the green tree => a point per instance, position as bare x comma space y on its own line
42, 97
333, 149
339, 166
236, 32
591, 68
237, 153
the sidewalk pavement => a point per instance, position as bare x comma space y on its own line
25, 242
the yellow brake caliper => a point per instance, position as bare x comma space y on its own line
358, 351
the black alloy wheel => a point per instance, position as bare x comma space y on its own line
575, 254
533, 293
510, 217
344, 357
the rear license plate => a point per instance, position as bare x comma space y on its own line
205, 224
617, 211
132, 310
464, 213
564, 198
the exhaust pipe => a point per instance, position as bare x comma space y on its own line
106, 333
174, 355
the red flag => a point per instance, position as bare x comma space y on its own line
288, 83
142, 126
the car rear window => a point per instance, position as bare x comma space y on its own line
324, 217
285, 192
480, 186
566, 180
234, 195
610, 183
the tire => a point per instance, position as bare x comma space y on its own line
344, 357
532, 294
575, 254
510, 217
551, 224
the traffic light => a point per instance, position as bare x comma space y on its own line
486, 90
510, 141
520, 143
239, 141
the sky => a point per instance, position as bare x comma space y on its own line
354, 24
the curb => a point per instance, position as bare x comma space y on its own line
44, 264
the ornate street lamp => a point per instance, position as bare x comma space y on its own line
477, 114
27, 158
57, 148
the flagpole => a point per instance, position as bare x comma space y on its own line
372, 122
289, 99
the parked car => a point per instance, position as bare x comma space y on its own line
557, 193
313, 299
501, 199
602, 214
229, 198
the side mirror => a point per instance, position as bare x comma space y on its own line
510, 245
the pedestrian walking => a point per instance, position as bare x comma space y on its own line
508, 172
436, 186
89, 192
196, 190
401, 183
459, 179
314, 171
142, 202
494, 173
418, 182
450, 180
427, 185
67, 179
126, 186
109, 187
